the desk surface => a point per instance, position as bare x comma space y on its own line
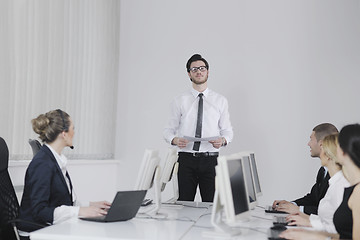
255, 229
173, 222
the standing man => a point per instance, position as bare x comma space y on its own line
310, 202
200, 113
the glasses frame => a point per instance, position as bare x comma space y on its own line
195, 69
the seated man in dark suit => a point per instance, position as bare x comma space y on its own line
310, 202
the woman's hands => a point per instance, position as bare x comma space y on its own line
95, 209
299, 219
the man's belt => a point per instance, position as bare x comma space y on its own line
200, 154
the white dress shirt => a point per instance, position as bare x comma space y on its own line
63, 212
328, 205
183, 119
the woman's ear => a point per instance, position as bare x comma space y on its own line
63, 134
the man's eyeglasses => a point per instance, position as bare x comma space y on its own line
195, 69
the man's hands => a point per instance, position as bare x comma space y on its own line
218, 142
285, 206
180, 142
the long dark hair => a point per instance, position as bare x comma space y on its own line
349, 141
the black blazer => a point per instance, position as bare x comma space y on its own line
45, 189
318, 191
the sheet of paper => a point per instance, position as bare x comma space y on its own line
194, 139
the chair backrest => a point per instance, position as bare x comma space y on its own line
9, 205
35, 145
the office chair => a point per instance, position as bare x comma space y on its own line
35, 145
9, 205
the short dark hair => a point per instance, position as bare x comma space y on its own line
323, 130
349, 141
194, 58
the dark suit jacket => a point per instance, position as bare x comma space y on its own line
318, 191
45, 189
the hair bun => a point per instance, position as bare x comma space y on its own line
40, 124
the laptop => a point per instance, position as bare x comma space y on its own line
125, 206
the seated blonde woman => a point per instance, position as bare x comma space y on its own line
334, 195
48, 196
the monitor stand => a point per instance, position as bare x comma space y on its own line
154, 211
175, 184
222, 230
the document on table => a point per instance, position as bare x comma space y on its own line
194, 139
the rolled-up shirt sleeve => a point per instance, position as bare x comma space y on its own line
225, 126
64, 212
173, 123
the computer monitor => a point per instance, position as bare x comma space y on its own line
231, 196
149, 176
255, 174
250, 182
147, 170
169, 173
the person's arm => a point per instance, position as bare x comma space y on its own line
354, 204
322, 224
180, 142
298, 219
91, 209
226, 130
286, 206
316, 223
39, 177
63, 213
173, 124
311, 200
220, 142
303, 234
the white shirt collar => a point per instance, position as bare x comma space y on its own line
60, 159
338, 175
196, 93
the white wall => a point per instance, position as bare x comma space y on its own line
285, 66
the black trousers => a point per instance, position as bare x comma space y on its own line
194, 171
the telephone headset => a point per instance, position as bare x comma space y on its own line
63, 120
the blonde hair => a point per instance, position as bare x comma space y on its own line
50, 125
329, 145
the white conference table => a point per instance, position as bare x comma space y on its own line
256, 228
174, 222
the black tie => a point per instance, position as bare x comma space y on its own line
199, 122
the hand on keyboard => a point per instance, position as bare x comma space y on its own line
286, 206
299, 219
